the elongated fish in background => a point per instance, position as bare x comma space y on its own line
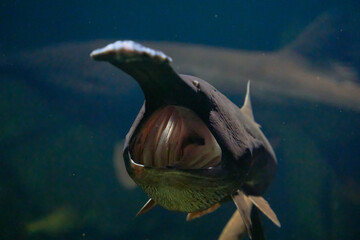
311, 68
308, 69
190, 148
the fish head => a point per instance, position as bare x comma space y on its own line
189, 147
172, 154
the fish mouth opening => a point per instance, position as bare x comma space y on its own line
175, 137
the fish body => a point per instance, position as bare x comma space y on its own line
194, 190
190, 148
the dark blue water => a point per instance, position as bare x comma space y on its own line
57, 178
240, 24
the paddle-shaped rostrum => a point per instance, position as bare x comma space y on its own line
190, 148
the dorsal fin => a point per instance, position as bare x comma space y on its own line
265, 208
246, 108
148, 205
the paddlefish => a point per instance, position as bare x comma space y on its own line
190, 148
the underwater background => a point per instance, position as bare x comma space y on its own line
63, 119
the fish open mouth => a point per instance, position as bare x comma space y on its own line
175, 137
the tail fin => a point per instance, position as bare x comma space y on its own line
333, 37
257, 227
249, 215
235, 228
244, 207
333, 34
265, 208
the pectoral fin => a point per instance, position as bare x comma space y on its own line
265, 208
149, 205
194, 215
244, 207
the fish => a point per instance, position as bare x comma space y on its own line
306, 69
310, 68
190, 148
63, 75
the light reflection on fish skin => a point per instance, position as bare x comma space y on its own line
120, 170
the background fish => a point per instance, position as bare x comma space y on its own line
295, 72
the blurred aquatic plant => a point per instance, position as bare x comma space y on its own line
60, 220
